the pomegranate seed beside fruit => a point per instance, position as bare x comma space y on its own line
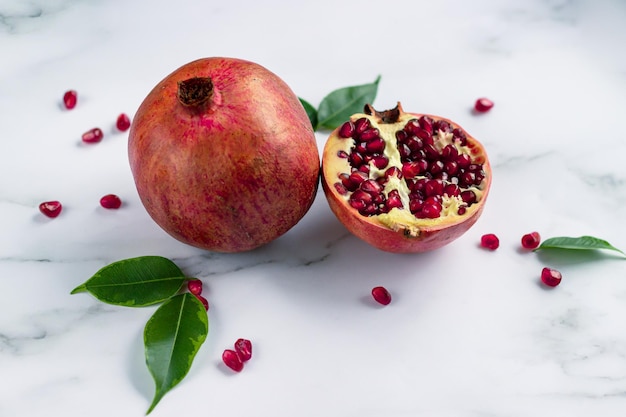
381, 295
122, 123
203, 300
409, 183
231, 359
243, 347
110, 201
93, 135
69, 99
550, 277
490, 241
50, 208
194, 286
531, 240
483, 105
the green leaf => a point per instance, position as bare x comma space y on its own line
135, 282
577, 243
339, 105
172, 337
310, 111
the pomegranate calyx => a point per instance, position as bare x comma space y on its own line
385, 116
195, 91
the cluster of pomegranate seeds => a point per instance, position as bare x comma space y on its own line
483, 105
531, 240
123, 122
550, 277
381, 295
489, 241
434, 163
235, 359
50, 208
94, 135
111, 201
69, 99
195, 287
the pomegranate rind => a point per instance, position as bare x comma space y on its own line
400, 232
234, 176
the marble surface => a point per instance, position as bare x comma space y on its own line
470, 333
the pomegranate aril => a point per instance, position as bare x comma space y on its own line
431, 209
356, 159
393, 171
441, 125
381, 295
452, 190
459, 136
436, 167
194, 286
393, 200
203, 300
401, 136
346, 130
93, 135
462, 210
69, 99
412, 169
490, 241
361, 125
342, 154
449, 152
243, 347
551, 277
122, 123
451, 167
231, 359
426, 123
360, 195
369, 134
110, 201
467, 179
341, 189
433, 188
357, 177
404, 151
430, 151
371, 187
380, 161
468, 197
376, 145
531, 240
483, 105
464, 161
415, 205
50, 208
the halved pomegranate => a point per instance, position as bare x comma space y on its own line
405, 182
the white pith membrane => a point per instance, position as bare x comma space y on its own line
402, 218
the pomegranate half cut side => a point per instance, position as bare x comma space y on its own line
405, 182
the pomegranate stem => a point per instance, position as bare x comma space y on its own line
195, 91
385, 116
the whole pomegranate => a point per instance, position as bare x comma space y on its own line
405, 182
223, 155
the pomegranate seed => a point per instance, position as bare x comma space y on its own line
231, 359
431, 209
550, 277
483, 105
370, 134
346, 130
490, 241
203, 300
243, 347
50, 208
194, 286
341, 189
426, 123
462, 210
361, 125
531, 240
93, 135
69, 99
376, 145
381, 295
342, 154
380, 161
468, 197
110, 201
122, 123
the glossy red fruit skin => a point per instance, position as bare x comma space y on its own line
231, 175
399, 241
51, 209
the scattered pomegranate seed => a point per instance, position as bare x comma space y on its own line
93, 135
194, 286
50, 208
483, 105
203, 300
490, 241
110, 201
531, 240
550, 277
381, 295
69, 99
243, 347
123, 122
231, 359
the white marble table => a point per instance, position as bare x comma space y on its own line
470, 333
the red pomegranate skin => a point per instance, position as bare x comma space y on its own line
230, 175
